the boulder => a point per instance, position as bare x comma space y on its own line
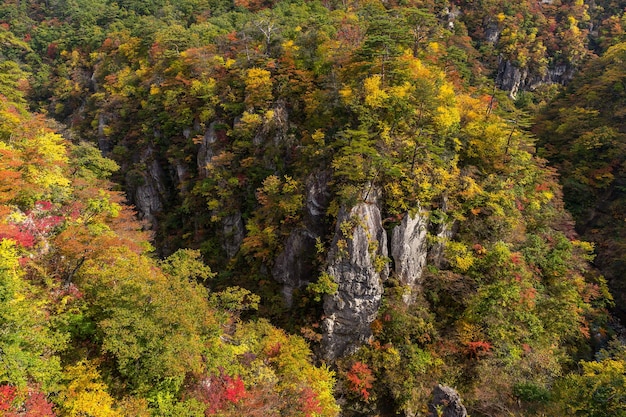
446, 403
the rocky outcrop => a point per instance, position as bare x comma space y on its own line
104, 141
513, 79
149, 190
443, 233
206, 151
274, 130
409, 251
492, 32
356, 262
443, 230
274, 138
233, 233
294, 266
317, 199
446, 403
451, 14
181, 175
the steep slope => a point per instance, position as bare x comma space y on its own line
583, 134
93, 325
351, 165
529, 43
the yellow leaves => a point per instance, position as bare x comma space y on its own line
15, 217
464, 262
74, 57
470, 108
204, 88
142, 72
417, 68
50, 146
8, 258
374, 95
280, 197
85, 394
607, 366
547, 195
500, 17
385, 135
10, 119
249, 120
279, 361
318, 137
470, 189
446, 93
585, 249
401, 91
346, 93
46, 154
213, 204
459, 255
129, 47
469, 332
446, 117
35, 161
258, 87
290, 46
485, 140
585, 246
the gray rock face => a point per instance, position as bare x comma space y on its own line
492, 33
182, 175
409, 251
234, 232
293, 267
104, 142
510, 78
452, 14
446, 403
513, 79
148, 195
359, 240
275, 130
444, 233
206, 152
317, 199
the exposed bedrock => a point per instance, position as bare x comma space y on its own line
357, 262
409, 251
294, 266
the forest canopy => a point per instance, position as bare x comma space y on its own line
311, 208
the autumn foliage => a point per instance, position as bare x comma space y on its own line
242, 131
360, 380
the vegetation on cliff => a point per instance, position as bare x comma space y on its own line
278, 151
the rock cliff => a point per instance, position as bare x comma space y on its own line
206, 152
409, 251
149, 190
357, 262
294, 266
233, 231
513, 79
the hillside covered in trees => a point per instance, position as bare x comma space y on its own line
311, 208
